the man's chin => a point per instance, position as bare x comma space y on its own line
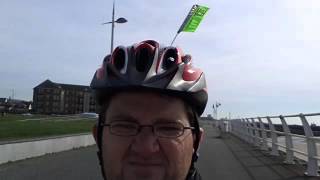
144, 172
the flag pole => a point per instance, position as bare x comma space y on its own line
182, 25
174, 38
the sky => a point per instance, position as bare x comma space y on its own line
259, 57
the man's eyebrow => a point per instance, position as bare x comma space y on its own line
122, 117
168, 120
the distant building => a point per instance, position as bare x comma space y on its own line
3, 101
207, 118
56, 98
8, 105
3, 105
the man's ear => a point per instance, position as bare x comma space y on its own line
201, 135
95, 132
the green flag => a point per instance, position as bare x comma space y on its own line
193, 19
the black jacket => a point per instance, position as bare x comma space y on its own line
193, 174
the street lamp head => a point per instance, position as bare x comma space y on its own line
121, 20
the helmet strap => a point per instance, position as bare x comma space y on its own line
99, 143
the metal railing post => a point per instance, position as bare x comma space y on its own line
256, 134
230, 126
251, 132
264, 135
252, 137
224, 126
236, 128
247, 131
312, 167
274, 137
227, 125
242, 129
289, 144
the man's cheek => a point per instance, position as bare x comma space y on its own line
113, 156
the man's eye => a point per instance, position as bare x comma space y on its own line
124, 127
168, 128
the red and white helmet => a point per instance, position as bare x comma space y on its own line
149, 65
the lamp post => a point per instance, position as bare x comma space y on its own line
119, 20
215, 109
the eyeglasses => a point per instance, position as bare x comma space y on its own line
161, 130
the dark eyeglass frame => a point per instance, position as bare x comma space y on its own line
153, 127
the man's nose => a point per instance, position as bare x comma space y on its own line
146, 143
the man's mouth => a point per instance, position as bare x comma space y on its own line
141, 169
144, 163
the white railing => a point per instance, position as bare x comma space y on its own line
254, 131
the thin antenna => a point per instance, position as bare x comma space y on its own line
174, 39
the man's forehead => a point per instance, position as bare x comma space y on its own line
156, 105
145, 94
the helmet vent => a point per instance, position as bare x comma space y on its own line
143, 57
119, 59
169, 59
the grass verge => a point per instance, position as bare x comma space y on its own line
16, 127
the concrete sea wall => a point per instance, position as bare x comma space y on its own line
13, 151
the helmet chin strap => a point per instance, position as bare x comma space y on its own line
99, 154
192, 171
99, 144
195, 155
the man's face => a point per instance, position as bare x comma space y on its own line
146, 156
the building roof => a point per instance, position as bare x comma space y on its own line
49, 84
9, 101
3, 100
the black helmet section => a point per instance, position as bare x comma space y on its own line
170, 58
120, 59
144, 54
143, 58
148, 65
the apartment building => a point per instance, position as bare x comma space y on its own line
56, 98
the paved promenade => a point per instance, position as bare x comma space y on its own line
229, 158
226, 158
